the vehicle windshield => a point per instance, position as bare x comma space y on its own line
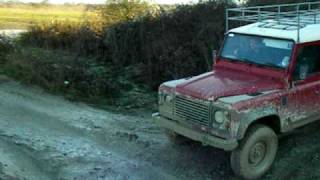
257, 50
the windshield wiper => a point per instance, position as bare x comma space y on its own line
258, 64
247, 61
272, 65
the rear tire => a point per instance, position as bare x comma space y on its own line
256, 152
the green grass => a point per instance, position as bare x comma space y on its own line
21, 16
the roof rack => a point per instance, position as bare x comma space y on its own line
284, 16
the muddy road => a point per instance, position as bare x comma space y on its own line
46, 137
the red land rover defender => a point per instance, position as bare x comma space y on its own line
265, 81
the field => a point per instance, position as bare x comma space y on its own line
21, 16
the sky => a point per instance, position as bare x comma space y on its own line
103, 1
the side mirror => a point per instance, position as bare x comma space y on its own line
214, 56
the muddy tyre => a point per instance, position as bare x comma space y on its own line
256, 152
177, 138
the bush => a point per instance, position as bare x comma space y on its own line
6, 46
86, 37
80, 38
147, 50
171, 46
61, 71
80, 78
125, 10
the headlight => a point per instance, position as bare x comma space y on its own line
168, 98
165, 99
221, 116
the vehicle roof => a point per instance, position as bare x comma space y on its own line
269, 28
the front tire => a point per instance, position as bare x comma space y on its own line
256, 152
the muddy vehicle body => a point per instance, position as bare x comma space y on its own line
265, 81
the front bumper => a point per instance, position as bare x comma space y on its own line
203, 137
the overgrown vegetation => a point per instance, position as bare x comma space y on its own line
77, 77
149, 49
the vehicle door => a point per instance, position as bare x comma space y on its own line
304, 96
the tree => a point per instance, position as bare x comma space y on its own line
124, 10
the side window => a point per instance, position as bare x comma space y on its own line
308, 62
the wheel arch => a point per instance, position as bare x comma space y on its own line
272, 120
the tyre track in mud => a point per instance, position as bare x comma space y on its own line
17, 163
64, 140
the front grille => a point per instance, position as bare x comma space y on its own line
196, 111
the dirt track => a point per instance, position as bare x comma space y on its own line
46, 137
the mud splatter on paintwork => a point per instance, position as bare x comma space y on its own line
224, 83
